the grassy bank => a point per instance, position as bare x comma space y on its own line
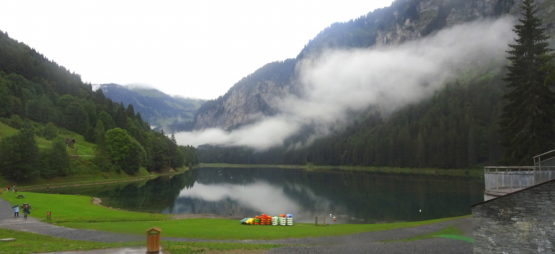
33, 243
79, 212
475, 172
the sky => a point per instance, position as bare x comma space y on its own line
196, 49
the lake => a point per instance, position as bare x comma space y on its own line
353, 197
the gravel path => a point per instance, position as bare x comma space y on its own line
370, 242
35, 226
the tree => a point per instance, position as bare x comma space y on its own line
124, 151
527, 122
19, 155
99, 132
76, 118
55, 160
49, 131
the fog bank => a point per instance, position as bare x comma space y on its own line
339, 82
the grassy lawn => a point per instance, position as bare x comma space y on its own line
231, 229
76, 208
476, 172
32, 243
78, 212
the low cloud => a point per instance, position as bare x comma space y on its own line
339, 82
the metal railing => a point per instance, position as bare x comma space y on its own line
516, 177
540, 159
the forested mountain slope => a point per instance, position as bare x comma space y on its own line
253, 97
40, 98
160, 110
457, 127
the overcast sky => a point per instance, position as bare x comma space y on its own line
190, 48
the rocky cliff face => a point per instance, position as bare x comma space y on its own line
253, 97
256, 95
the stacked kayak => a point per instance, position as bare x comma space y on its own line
263, 219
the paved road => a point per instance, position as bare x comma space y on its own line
371, 242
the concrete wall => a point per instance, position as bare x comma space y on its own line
521, 222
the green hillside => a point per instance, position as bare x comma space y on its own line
53, 124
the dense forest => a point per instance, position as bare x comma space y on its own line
43, 100
456, 128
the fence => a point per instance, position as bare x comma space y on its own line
516, 177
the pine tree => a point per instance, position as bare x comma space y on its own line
55, 160
19, 155
527, 121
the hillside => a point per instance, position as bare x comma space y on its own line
50, 117
160, 110
454, 128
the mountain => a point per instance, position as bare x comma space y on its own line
162, 111
252, 97
457, 127
255, 96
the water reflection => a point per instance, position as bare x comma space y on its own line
257, 196
354, 197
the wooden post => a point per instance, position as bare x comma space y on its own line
153, 241
49, 216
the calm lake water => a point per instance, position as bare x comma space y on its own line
353, 197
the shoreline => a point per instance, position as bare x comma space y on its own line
476, 173
77, 183
471, 173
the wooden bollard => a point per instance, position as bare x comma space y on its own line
49, 216
153, 241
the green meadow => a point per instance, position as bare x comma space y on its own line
77, 211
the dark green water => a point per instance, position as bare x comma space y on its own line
353, 197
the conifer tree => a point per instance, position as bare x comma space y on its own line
19, 155
528, 117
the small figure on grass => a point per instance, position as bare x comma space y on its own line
26, 210
15, 209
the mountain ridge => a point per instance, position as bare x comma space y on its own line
455, 128
404, 20
162, 111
